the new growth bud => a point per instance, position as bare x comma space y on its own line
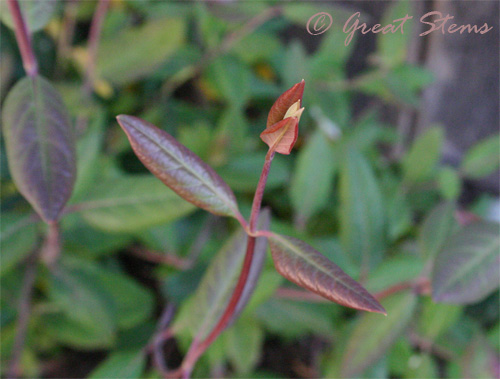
283, 120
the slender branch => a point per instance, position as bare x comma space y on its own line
163, 334
93, 44
198, 348
23, 39
23, 312
163, 258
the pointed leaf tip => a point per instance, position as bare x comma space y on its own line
306, 267
284, 102
178, 167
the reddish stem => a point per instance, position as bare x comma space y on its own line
198, 348
52, 246
23, 39
23, 314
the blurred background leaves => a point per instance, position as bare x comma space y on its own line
392, 206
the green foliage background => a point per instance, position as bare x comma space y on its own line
131, 245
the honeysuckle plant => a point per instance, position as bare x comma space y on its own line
195, 181
75, 213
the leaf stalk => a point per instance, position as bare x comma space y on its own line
198, 348
23, 39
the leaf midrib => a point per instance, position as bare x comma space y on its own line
460, 273
312, 263
194, 173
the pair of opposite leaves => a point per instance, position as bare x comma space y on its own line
195, 181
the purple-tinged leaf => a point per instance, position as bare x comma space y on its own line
303, 265
202, 311
373, 335
467, 269
40, 145
178, 167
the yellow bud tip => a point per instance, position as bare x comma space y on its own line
294, 111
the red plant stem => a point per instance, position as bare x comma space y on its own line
23, 39
198, 348
93, 44
52, 246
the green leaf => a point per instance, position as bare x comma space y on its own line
449, 183
81, 300
295, 64
293, 319
36, 13
40, 145
242, 173
257, 47
392, 47
73, 333
133, 302
483, 158
399, 215
479, 360
466, 269
179, 168
131, 203
17, 239
362, 216
373, 335
436, 228
435, 319
87, 152
423, 156
204, 309
121, 364
243, 344
153, 42
312, 182
301, 264
231, 79
394, 270
420, 366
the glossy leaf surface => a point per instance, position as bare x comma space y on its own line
467, 268
40, 145
179, 168
210, 300
373, 335
129, 204
303, 265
